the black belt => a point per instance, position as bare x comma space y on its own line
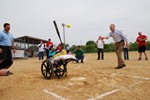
4, 46
120, 41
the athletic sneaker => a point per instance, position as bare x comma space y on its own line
146, 58
118, 67
9, 73
140, 58
123, 65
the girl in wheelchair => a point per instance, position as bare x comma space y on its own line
51, 53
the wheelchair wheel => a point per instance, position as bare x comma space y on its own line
60, 71
47, 69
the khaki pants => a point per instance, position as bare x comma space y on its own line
119, 49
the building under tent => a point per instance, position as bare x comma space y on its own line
26, 46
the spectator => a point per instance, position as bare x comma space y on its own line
4, 65
67, 48
126, 52
141, 40
100, 48
59, 48
6, 44
41, 50
79, 54
49, 45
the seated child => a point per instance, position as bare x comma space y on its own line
52, 52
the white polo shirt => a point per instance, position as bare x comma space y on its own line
100, 44
41, 47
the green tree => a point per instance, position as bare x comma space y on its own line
109, 47
133, 46
91, 46
73, 48
148, 45
91, 43
34, 48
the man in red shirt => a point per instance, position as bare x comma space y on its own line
59, 47
141, 40
49, 45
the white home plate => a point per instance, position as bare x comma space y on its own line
77, 78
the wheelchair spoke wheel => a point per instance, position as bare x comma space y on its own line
60, 71
47, 69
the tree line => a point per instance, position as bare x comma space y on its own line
91, 47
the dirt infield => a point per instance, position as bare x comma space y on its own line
93, 80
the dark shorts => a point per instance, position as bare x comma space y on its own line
5, 64
6, 54
142, 48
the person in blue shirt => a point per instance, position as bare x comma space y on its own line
6, 44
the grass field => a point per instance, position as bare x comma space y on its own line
93, 80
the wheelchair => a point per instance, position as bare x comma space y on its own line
56, 66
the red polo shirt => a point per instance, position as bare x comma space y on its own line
141, 42
49, 43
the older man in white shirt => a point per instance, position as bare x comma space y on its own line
119, 40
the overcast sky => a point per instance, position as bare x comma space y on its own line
88, 18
